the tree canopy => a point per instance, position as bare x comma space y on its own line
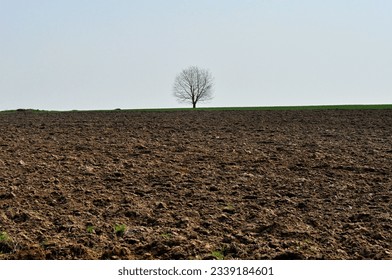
193, 85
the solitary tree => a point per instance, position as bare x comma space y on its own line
193, 85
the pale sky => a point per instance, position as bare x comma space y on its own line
106, 54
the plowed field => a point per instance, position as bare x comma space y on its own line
196, 185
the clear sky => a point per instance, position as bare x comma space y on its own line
106, 54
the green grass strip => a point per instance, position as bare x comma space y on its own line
263, 108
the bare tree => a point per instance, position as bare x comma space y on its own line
193, 85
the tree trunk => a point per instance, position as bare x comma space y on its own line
194, 105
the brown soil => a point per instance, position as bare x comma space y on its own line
187, 185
